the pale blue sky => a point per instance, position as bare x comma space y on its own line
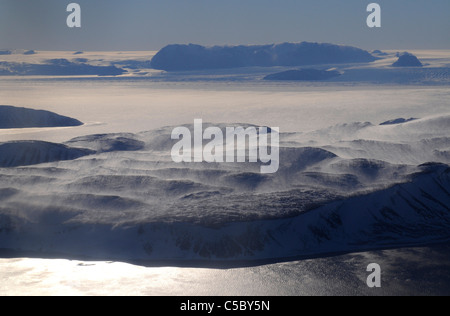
150, 25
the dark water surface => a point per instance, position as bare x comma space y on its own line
408, 271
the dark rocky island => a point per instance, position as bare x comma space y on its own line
398, 121
407, 60
196, 57
14, 117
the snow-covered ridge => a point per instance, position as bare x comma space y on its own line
348, 187
407, 214
25, 153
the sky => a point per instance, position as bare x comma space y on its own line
151, 25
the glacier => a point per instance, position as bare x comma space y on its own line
57, 67
303, 75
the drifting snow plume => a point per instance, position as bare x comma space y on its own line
130, 201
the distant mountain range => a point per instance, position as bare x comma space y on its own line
58, 67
